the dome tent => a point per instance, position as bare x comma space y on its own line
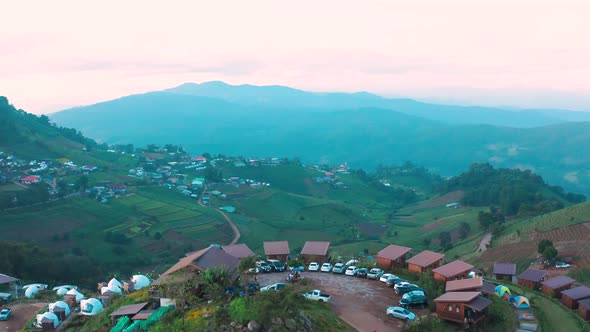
114, 283
140, 281
112, 290
31, 291
501, 290
90, 307
48, 315
521, 302
60, 304
61, 291
79, 296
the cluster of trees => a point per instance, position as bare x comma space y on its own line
515, 192
545, 247
35, 193
213, 174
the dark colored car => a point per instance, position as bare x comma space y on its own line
362, 272
391, 281
401, 290
413, 299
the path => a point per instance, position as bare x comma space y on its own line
227, 218
483, 245
21, 314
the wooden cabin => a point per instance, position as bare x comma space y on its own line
584, 307
315, 251
504, 271
532, 278
278, 250
424, 261
392, 256
554, 286
462, 307
571, 297
465, 285
452, 271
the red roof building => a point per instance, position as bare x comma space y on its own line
532, 278
239, 250
315, 251
504, 271
465, 285
554, 286
461, 307
278, 250
452, 271
571, 297
30, 179
392, 256
424, 261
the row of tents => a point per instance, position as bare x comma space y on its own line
519, 301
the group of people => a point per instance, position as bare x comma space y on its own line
293, 276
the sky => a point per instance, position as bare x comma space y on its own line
58, 54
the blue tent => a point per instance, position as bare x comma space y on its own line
521, 302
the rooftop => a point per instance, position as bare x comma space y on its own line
463, 284
505, 269
204, 259
426, 258
479, 303
4, 279
532, 275
131, 309
577, 293
453, 268
319, 248
393, 252
239, 250
457, 297
585, 303
276, 248
558, 282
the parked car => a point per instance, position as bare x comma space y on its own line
362, 272
326, 267
313, 266
317, 295
275, 287
414, 298
401, 284
384, 277
263, 266
407, 288
351, 270
401, 313
562, 265
393, 280
339, 268
5, 313
300, 268
276, 265
375, 273
352, 262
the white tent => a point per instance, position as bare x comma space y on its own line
48, 315
60, 304
61, 291
140, 281
31, 291
40, 286
90, 307
112, 290
114, 283
79, 296
67, 287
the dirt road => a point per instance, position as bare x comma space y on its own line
227, 218
358, 301
21, 313
485, 241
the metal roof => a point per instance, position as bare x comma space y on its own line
464, 297
393, 252
239, 250
505, 269
5, 279
319, 248
558, 282
276, 248
479, 303
577, 293
532, 275
463, 284
131, 309
426, 258
453, 268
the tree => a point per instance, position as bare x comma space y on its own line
246, 263
445, 239
82, 183
464, 230
181, 286
544, 244
545, 247
214, 282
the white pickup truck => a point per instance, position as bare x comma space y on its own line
317, 295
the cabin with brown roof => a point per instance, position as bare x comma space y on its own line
278, 250
462, 307
584, 306
239, 250
571, 297
424, 261
452, 271
128, 310
504, 271
315, 251
554, 286
392, 256
532, 278
464, 285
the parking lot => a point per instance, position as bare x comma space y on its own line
358, 301
21, 313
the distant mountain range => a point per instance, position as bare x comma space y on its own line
360, 128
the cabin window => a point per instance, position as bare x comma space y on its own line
457, 308
450, 307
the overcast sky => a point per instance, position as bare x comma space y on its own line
527, 53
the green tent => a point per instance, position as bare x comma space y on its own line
121, 324
153, 318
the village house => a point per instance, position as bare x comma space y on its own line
392, 256
532, 278
504, 271
465, 285
554, 286
584, 306
424, 261
452, 271
30, 179
571, 297
462, 307
239, 250
315, 251
278, 250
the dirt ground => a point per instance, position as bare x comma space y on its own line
358, 301
21, 314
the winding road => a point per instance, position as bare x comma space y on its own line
227, 218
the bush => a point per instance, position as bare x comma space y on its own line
428, 324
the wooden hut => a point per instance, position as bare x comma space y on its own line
392, 256
571, 297
278, 250
532, 278
584, 307
554, 286
461, 307
504, 271
426, 260
452, 271
315, 251
464, 285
